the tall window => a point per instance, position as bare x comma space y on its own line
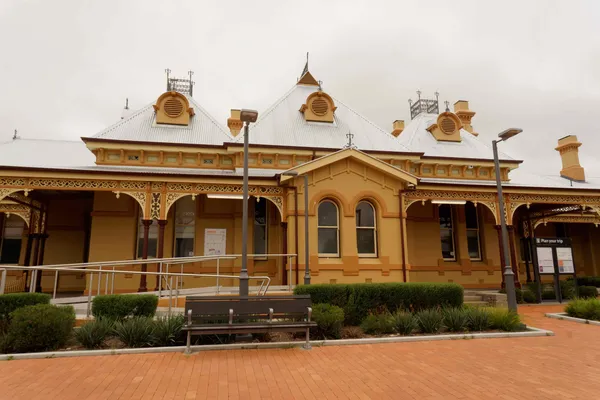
447, 232
472, 232
329, 230
185, 227
260, 227
152, 238
10, 240
366, 231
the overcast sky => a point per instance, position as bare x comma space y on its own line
68, 65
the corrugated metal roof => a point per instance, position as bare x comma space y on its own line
284, 125
43, 153
524, 179
141, 126
417, 138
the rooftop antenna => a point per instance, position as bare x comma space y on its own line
15, 135
127, 103
320, 83
419, 94
168, 71
437, 96
447, 103
190, 74
125, 113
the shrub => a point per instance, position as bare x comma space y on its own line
584, 308
456, 319
567, 289
529, 296
92, 334
352, 332
587, 292
40, 328
329, 319
588, 281
430, 321
478, 319
404, 322
167, 330
121, 306
135, 331
378, 324
13, 301
360, 299
504, 320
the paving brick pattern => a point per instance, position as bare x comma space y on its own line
566, 366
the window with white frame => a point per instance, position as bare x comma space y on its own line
152, 238
473, 241
447, 232
10, 240
366, 230
185, 227
260, 227
328, 229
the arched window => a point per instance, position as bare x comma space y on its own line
366, 230
329, 229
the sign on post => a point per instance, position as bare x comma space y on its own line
553, 256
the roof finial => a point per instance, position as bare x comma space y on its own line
320, 83
437, 96
349, 145
15, 135
127, 103
419, 94
190, 74
305, 70
447, 103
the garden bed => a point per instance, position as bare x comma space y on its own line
564, 316
584, 311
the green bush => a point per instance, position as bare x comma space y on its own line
404, 322
121, 306
588, 281
584, 308
11, 302
430, 321
92, 334
504, 320
478, 319
456, 319
135, 331
587, 292
40, 328
360, 299
377, 324
167, 330
529, 296
567, 289
518, 294
329, 319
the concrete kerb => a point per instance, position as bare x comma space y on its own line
531, 332
564, 316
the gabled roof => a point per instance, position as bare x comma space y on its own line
141, 126
284, 125
416, 137
357, 155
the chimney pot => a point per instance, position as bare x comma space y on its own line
568, 147
398, 127
234, 123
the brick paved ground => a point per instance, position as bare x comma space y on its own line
566, 366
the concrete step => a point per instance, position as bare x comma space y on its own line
476, 303
472, 298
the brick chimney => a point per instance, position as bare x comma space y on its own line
398, 127
568, 147
234, 123
461, 109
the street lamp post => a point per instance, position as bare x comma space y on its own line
509, 276
246, 116
306, 252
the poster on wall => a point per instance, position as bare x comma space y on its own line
564, 256
545, 260
215, 241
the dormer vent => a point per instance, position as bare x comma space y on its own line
173, 108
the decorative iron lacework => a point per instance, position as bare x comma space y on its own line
517, 200
133, 185
157, 185
12, 181
278, 201
17, 209
155, 206
487, 199
568, 219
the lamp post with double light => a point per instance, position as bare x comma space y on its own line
509, 276
247, 117
306, 266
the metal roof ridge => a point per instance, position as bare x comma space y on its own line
122, 121
210, 117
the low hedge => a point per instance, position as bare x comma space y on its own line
329, 319
120, 306
13, 301
584, 308
588, 281
41, 327
587, 292
359, 299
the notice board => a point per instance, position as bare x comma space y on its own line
215, 242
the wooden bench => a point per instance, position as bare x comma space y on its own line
208, 315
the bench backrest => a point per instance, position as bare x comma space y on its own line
207, 309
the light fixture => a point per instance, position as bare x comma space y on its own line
510, 132
225, 196
248, 115
456, 202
